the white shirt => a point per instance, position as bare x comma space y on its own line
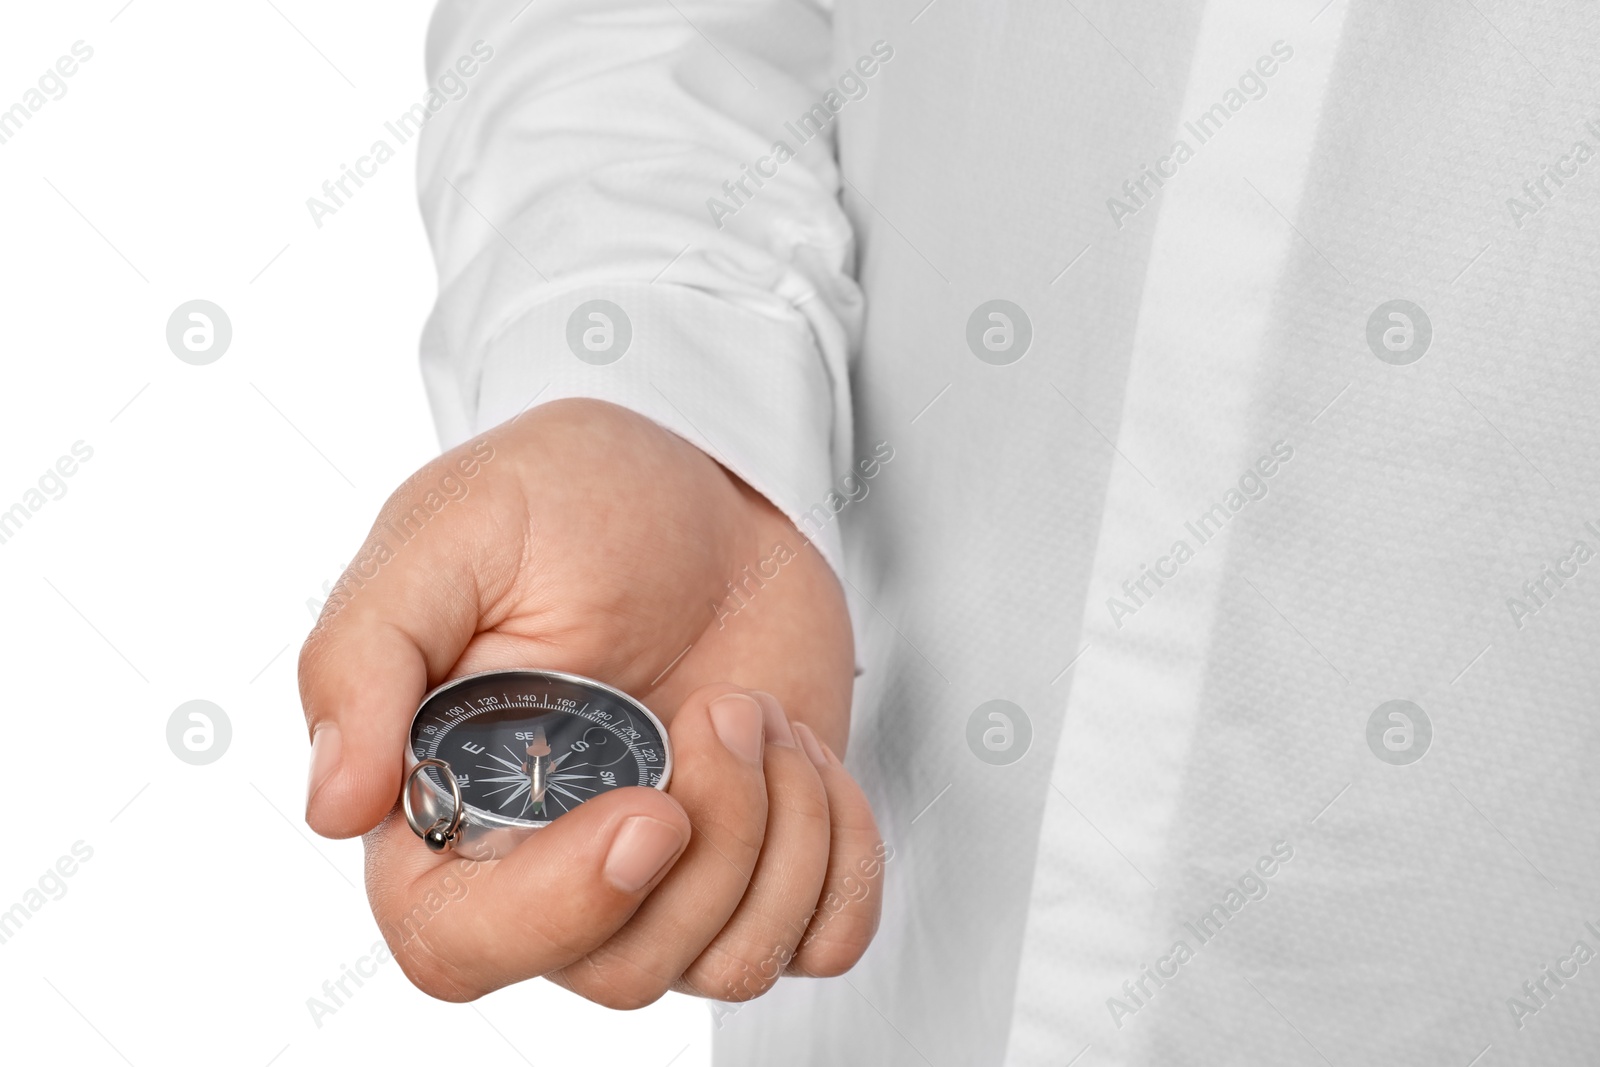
1366, 498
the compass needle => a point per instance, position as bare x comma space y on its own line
538, 768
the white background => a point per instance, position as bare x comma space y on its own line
219, 499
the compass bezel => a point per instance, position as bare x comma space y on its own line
439, 798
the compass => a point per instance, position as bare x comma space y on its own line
493, 757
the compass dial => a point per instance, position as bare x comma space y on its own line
526, 746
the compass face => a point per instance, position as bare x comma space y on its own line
529, 746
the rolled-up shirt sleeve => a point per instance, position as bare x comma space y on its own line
609, 179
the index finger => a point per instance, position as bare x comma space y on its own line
399, 616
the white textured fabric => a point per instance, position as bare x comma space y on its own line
576, 168
1201, 768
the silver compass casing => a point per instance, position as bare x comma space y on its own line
484, 835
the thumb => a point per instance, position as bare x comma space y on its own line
400, 616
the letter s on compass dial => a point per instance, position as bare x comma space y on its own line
494, 757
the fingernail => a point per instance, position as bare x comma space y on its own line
809, 742
778, 732
835, 760
641, 848
325, 746
737, 720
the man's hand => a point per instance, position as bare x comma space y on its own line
583, 537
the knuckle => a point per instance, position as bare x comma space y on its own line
324, 685
538, 939
725, 973
808, 802
830, 956
430, 972
837, 938
313, 653
613, 981
732, 827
